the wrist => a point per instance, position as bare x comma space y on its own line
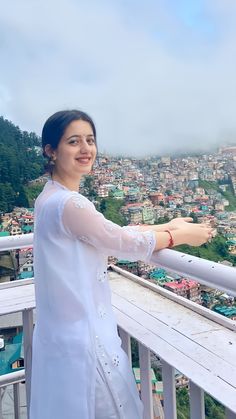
171, 239
162, 227
179, 237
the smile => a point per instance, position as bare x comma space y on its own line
84, 160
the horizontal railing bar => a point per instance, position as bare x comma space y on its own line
16, 283
12, 378
18, 241
212, 274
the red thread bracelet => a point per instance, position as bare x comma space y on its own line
171, 241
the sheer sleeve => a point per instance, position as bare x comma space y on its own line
132, 228
81, 220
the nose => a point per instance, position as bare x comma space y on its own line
84, 145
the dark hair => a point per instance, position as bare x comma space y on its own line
56, 125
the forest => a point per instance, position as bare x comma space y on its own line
19, 163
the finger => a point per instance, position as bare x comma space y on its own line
210, 234
188, 219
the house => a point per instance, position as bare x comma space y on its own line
12, 358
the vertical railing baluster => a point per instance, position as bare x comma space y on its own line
229, 414
1, 395
197, 406
169, 392
126, 343
146, 383
28, 334
16, 395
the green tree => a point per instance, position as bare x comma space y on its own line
163, 220
194, 217
19, 163
110, 208
7, 197
89, 187
32, 191
213, 409
215, 250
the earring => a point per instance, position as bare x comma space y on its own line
51, 161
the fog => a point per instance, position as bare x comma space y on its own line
157, 77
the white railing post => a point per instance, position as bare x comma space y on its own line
1, 397
146, 383
229, 414
28, 334
169, 392
197, 405
16, 395
126, 343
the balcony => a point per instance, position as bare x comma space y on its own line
188, 337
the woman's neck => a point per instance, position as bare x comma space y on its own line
68, 183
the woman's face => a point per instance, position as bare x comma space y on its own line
76, 151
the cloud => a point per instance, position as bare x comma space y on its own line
156, 78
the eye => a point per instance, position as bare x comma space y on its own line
73, 141
91, 141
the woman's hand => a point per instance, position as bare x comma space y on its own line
187, 233
177, 223
193, 234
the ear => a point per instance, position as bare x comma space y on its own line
48, 150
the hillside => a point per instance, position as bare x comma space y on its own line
19, 163
228, 194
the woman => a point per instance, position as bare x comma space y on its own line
79, 370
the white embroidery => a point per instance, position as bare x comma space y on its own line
107, 365
109, 226
115, 360
101, 276
80, 201
102, 311
84, 239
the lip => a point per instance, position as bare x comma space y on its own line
84, 160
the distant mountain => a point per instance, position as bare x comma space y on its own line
19, 163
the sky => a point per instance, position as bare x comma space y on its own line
157, 76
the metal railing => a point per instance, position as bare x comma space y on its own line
205, 272
14, 379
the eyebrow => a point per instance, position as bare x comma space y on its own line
79, 136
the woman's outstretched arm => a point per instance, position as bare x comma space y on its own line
84, 222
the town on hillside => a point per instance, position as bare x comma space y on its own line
148, 191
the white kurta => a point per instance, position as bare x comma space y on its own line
79, 370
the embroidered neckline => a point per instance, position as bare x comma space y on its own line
55, 182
